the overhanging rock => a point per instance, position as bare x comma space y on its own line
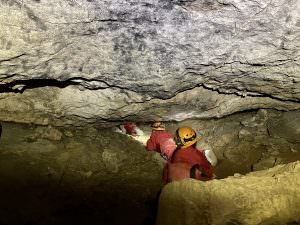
152, 50
69, 106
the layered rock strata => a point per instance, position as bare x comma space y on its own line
108, 60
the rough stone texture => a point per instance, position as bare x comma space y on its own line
243, 143
135, 51
52, 105
98, 173
286, 126
235, 200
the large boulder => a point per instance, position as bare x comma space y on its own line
235, 200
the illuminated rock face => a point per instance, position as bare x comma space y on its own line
146, 59
235, 200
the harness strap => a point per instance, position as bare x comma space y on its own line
193, 171
173, 154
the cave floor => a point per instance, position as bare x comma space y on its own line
83, 176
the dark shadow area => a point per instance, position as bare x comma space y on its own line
33, 83
37, 203
102, 179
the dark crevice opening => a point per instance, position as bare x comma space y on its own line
33, 83
37, 83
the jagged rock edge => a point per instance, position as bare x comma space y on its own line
35, 83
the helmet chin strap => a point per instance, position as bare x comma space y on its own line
177, 139
190, 139
178, 142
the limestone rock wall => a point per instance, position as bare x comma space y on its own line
235, 200
124, 57
67, 106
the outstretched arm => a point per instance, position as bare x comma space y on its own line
151, 145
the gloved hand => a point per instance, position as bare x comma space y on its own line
210, 156
164, 156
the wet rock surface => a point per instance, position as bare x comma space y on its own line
235, 200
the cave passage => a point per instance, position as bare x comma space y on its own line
85, 175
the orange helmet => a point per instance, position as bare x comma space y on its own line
185, 137
158, 126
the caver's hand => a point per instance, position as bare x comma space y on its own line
164, 156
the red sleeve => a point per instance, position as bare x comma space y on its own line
151, 145
209, 171
130, 128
